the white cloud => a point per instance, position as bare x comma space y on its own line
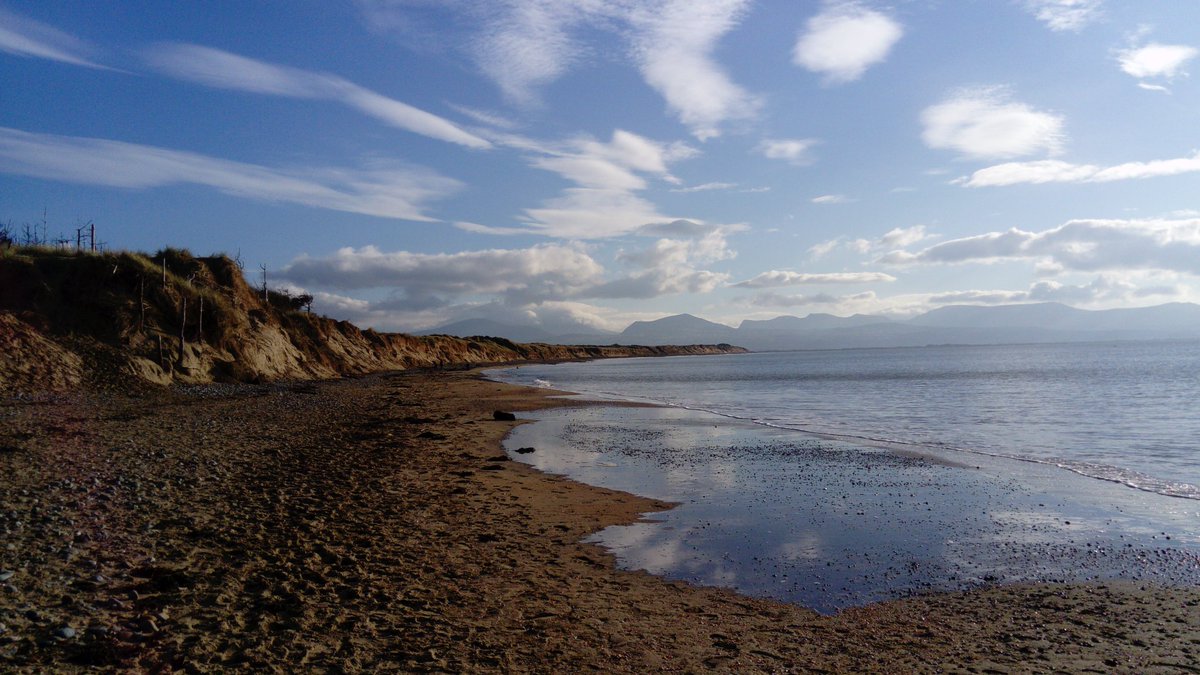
845, 304
25, 37
388, 191
902, 237
1055, 171
547, 271
983, 123
777, 278
221, 69
817, 251
792, 150
831, 199
671, 266
896, 238
673, 44
524, 45
485, 117
590, 213
1080, 245
527, 44
844, 40
705, 187
607, 176
1153, 87
1103, 289
1156, 60
1063, 15
537, 286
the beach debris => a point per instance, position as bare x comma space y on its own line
6, 575
432, 435
66, 632
525, 451
501, 416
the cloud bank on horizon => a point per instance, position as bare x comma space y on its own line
580, 164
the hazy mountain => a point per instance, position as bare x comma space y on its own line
678, 329
1068, 323
1051, 315
957, 324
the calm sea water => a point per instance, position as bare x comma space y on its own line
1127, 412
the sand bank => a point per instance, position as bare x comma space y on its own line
375, 524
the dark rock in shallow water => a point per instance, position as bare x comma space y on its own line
501, 416
525, 451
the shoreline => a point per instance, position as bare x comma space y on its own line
376, 523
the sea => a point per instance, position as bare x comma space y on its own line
835, 478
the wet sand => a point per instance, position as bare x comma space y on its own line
376, 524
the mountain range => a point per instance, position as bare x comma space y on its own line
956, 324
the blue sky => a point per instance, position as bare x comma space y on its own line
579, 164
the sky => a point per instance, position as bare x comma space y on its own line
581, 164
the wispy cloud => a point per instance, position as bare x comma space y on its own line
23, 36
524, 45
673, 45
383, 190
1055, 171
984, 123
893, 239
1064, 15
527, 44
706, 187
777, 278
224, 70
844, 40
795, 151
1080, 245
607, 177
831, 199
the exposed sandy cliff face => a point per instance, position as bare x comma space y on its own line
68, 318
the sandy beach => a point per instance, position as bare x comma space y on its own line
376, 524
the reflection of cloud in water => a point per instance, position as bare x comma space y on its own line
807, 547
660, 548
645, 546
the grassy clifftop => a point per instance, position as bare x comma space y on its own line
108, 319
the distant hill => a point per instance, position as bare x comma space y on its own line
659, 331
956, 324
959, 324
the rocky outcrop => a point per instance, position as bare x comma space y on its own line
69, 318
